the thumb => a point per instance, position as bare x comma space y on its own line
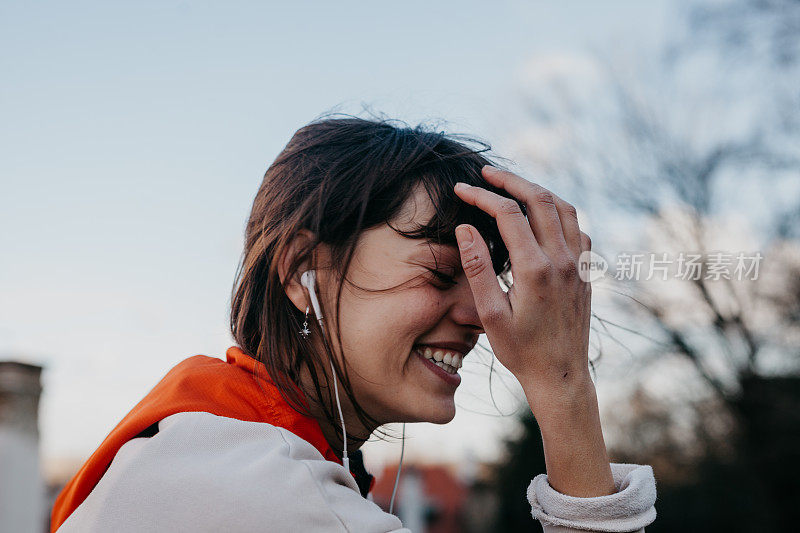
490, 300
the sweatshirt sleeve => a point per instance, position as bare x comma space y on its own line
629, 509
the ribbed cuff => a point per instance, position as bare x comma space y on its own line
631, 508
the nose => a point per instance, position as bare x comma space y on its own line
464, 311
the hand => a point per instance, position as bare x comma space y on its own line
539, 330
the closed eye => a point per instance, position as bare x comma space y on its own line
443, 278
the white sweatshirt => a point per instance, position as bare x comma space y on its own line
207, 473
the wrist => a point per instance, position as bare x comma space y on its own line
572, 437
562, 395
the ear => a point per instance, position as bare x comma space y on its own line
294, 290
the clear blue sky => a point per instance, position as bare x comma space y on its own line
133, 137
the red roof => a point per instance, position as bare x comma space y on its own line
443, 491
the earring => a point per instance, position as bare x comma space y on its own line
305, 331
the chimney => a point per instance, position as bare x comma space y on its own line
21, 485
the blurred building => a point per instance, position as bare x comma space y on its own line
22, 494
439, 498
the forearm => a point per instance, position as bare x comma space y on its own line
575, 452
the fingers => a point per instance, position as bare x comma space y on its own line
491, 302
523, 250
586, 242
569, 225
554, 222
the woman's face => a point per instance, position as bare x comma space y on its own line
385, 334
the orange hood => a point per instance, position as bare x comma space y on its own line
199, 383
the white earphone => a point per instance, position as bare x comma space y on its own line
308, 280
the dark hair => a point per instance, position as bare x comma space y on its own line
338, 177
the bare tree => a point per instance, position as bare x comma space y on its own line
697, 151
694, 142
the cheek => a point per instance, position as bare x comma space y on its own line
422, 312
409, 315
383, 329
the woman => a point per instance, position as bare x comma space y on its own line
370, 268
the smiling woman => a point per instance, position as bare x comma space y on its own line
371, 265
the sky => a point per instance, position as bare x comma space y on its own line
134, 136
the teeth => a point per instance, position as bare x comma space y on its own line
450, 361
447, 368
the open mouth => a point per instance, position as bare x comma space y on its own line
443, 363
447, 360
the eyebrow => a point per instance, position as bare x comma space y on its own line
441, 251
434, 244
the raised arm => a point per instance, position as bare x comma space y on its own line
539, 330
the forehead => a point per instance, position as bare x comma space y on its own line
383, 241
418, 209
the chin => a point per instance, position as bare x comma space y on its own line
442, 415
422, 406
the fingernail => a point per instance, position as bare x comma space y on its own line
464, 236
490, 168
462, 186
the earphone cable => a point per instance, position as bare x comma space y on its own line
308, 278
399, 467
